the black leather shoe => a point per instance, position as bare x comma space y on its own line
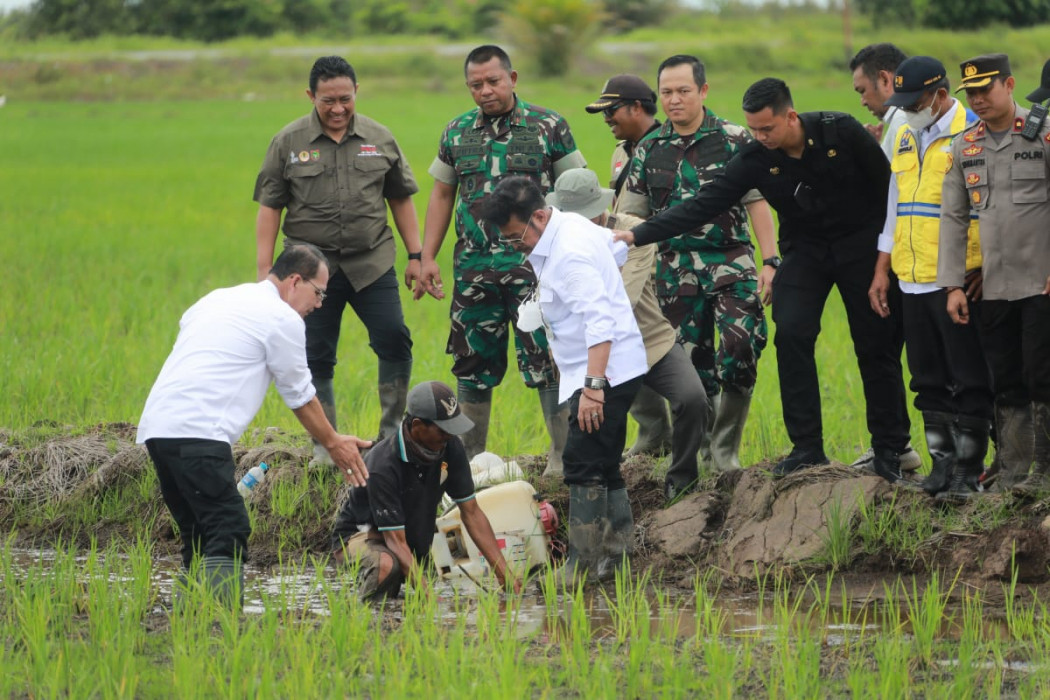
887, 464
800, 458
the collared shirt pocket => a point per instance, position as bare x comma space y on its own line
367, 176
976, 180
308, 183
1028, 184
470, 171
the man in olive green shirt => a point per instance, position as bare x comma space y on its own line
332, 173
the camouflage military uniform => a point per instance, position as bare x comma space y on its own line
491, 278
706, 277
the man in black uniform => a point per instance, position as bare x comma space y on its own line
827, 179
389, 523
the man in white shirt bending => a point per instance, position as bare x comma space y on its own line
231, 345
598, 349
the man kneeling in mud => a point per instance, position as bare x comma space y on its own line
389, 523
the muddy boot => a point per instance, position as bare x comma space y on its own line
940, 441
654, 429
326, 395
619, 535
588, 522
393, 392
1013, 425
728, 429
714, 401
556, 418
476, 405
224, 577
971, 445
1038, 482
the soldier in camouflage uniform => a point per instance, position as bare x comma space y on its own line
502, 136
707, 277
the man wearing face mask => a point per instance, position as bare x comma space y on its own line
389, 523
949, 373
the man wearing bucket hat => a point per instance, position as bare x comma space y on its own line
671, 376
706, 277
948, 372
628, 106
1001, 172
389, 523
599, 352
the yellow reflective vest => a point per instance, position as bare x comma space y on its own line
915, 238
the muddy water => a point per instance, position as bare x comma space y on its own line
749, 615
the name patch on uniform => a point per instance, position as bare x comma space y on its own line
368, 149
1029, 155
973, 162
973, 179
973, 150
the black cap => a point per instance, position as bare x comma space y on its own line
435, 402
1042, 92
914, 77
980, 70
622, 88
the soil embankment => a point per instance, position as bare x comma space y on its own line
99, 485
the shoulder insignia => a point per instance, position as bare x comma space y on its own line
1018, 124
971, 137
973, 179
973, 150
980, 129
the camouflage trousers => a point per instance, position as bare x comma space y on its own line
484, 305
702, 292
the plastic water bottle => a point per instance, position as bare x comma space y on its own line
254, 477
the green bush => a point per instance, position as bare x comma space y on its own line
553, 32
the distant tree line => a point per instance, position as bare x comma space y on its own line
956, 14
215, 20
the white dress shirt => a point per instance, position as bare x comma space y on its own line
584, 302
925, 137
231, 345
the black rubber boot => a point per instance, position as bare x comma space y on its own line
619, 536
800, 458
971, 446
1038, 482
394, 378
588, 522
224, 577
326, 396
940, 441
1013, 425
476, 404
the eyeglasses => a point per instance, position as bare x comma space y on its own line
521, 236
915, 108
317, 290
611, 109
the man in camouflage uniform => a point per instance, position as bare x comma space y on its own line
502, 136
706, 277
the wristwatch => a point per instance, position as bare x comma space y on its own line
773, 262
415, 256
595, 383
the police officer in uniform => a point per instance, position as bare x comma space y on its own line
502, 136
1001, 170
828, 180
948, 372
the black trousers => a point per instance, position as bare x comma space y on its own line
196, 481
800, 290
379, 308
594, 458
948, 370
1015, 336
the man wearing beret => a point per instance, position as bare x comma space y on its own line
948, 373
1001, 172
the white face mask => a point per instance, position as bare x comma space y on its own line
918, 121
